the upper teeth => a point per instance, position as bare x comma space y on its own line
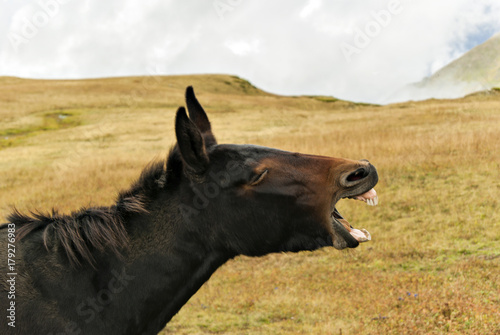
372, 201
370, 197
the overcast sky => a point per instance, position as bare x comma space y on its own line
351, 49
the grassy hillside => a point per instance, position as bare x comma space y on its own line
432, 267
480, 64
476, 70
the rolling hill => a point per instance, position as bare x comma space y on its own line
476, 70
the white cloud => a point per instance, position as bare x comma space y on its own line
243, 47
291, 48
310, 7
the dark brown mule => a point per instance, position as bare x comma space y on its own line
128, 268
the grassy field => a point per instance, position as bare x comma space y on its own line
432, 267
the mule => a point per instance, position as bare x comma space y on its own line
128, 268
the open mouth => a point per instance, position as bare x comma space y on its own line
351, 235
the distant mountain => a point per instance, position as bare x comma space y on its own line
476, 70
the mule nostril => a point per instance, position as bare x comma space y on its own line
358, 174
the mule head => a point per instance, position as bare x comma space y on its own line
255, 200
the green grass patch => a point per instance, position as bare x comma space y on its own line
46, 121
245, 85
324, 98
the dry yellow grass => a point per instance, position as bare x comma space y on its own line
433, 266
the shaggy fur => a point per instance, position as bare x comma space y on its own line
92, 229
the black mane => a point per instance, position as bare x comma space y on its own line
96, 228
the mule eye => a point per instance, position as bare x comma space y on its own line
258, 178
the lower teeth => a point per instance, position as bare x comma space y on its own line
361, 235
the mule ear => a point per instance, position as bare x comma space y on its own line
190, 142
196, 112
